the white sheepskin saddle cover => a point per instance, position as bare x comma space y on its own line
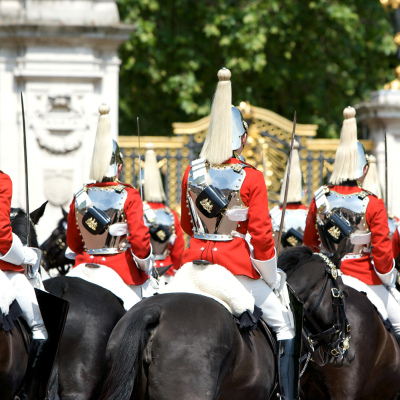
213, 281
7, 293
108, 279
372, 296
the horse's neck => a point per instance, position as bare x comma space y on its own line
306, 279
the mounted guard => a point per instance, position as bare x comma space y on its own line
223, 199
344, 211
105, 221
296, 212
166, 234
373, 184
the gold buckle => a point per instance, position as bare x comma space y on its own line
348, 328
334, 352
338, 294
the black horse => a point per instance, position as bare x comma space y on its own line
13, 352
370, 368
55, 246
93, 314
186, 346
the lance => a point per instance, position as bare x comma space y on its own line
28, 220
286, 187
386, 175
140, 161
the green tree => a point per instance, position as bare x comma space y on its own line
315, 57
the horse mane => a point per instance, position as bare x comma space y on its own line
294, 258
18, 225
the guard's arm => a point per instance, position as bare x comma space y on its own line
260, 228
179, 244
311, 237
6, 237
186, 223
139, 236
381, 245
11, 248
396, 243
74, 238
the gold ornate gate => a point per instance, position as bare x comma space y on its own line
267, 149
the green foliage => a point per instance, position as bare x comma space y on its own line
315, 57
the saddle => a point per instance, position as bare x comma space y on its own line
107, 278
216, 282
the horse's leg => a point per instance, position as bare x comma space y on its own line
13, 361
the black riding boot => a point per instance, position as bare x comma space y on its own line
35, 384
288, 375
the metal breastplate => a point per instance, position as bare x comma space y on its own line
110, 200
164, 218
229, 179
294, 219
351, 207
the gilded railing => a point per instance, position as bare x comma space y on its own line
267, 149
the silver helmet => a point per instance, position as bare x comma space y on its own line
362, 160
239, 128
116, 160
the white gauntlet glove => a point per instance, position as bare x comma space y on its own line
389, 281
267, 269
30, 256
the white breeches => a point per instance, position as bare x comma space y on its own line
274, 313
380, 298
391, 305
26, 297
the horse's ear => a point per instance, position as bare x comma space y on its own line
65, 214
37, 214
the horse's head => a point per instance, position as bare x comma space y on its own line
55, 246
18, 223
303, 269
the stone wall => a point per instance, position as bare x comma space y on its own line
63, 56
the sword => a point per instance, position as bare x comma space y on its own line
386, 175
286, 188
28, 220
140, 161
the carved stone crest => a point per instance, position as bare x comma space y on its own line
58, 186
59, 127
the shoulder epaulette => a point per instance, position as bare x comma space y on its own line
366, 193
119, 188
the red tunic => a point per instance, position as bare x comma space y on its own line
6, 237
294, 206
235, 254
139, 238
175, 252
376, 216
396, 243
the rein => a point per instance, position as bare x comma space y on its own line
341, 326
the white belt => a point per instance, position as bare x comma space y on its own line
355, 256
239, 235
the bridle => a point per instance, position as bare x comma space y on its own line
316, 343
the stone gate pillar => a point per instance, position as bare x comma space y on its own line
382, 114
62, 54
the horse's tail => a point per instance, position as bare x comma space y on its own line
127, 354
